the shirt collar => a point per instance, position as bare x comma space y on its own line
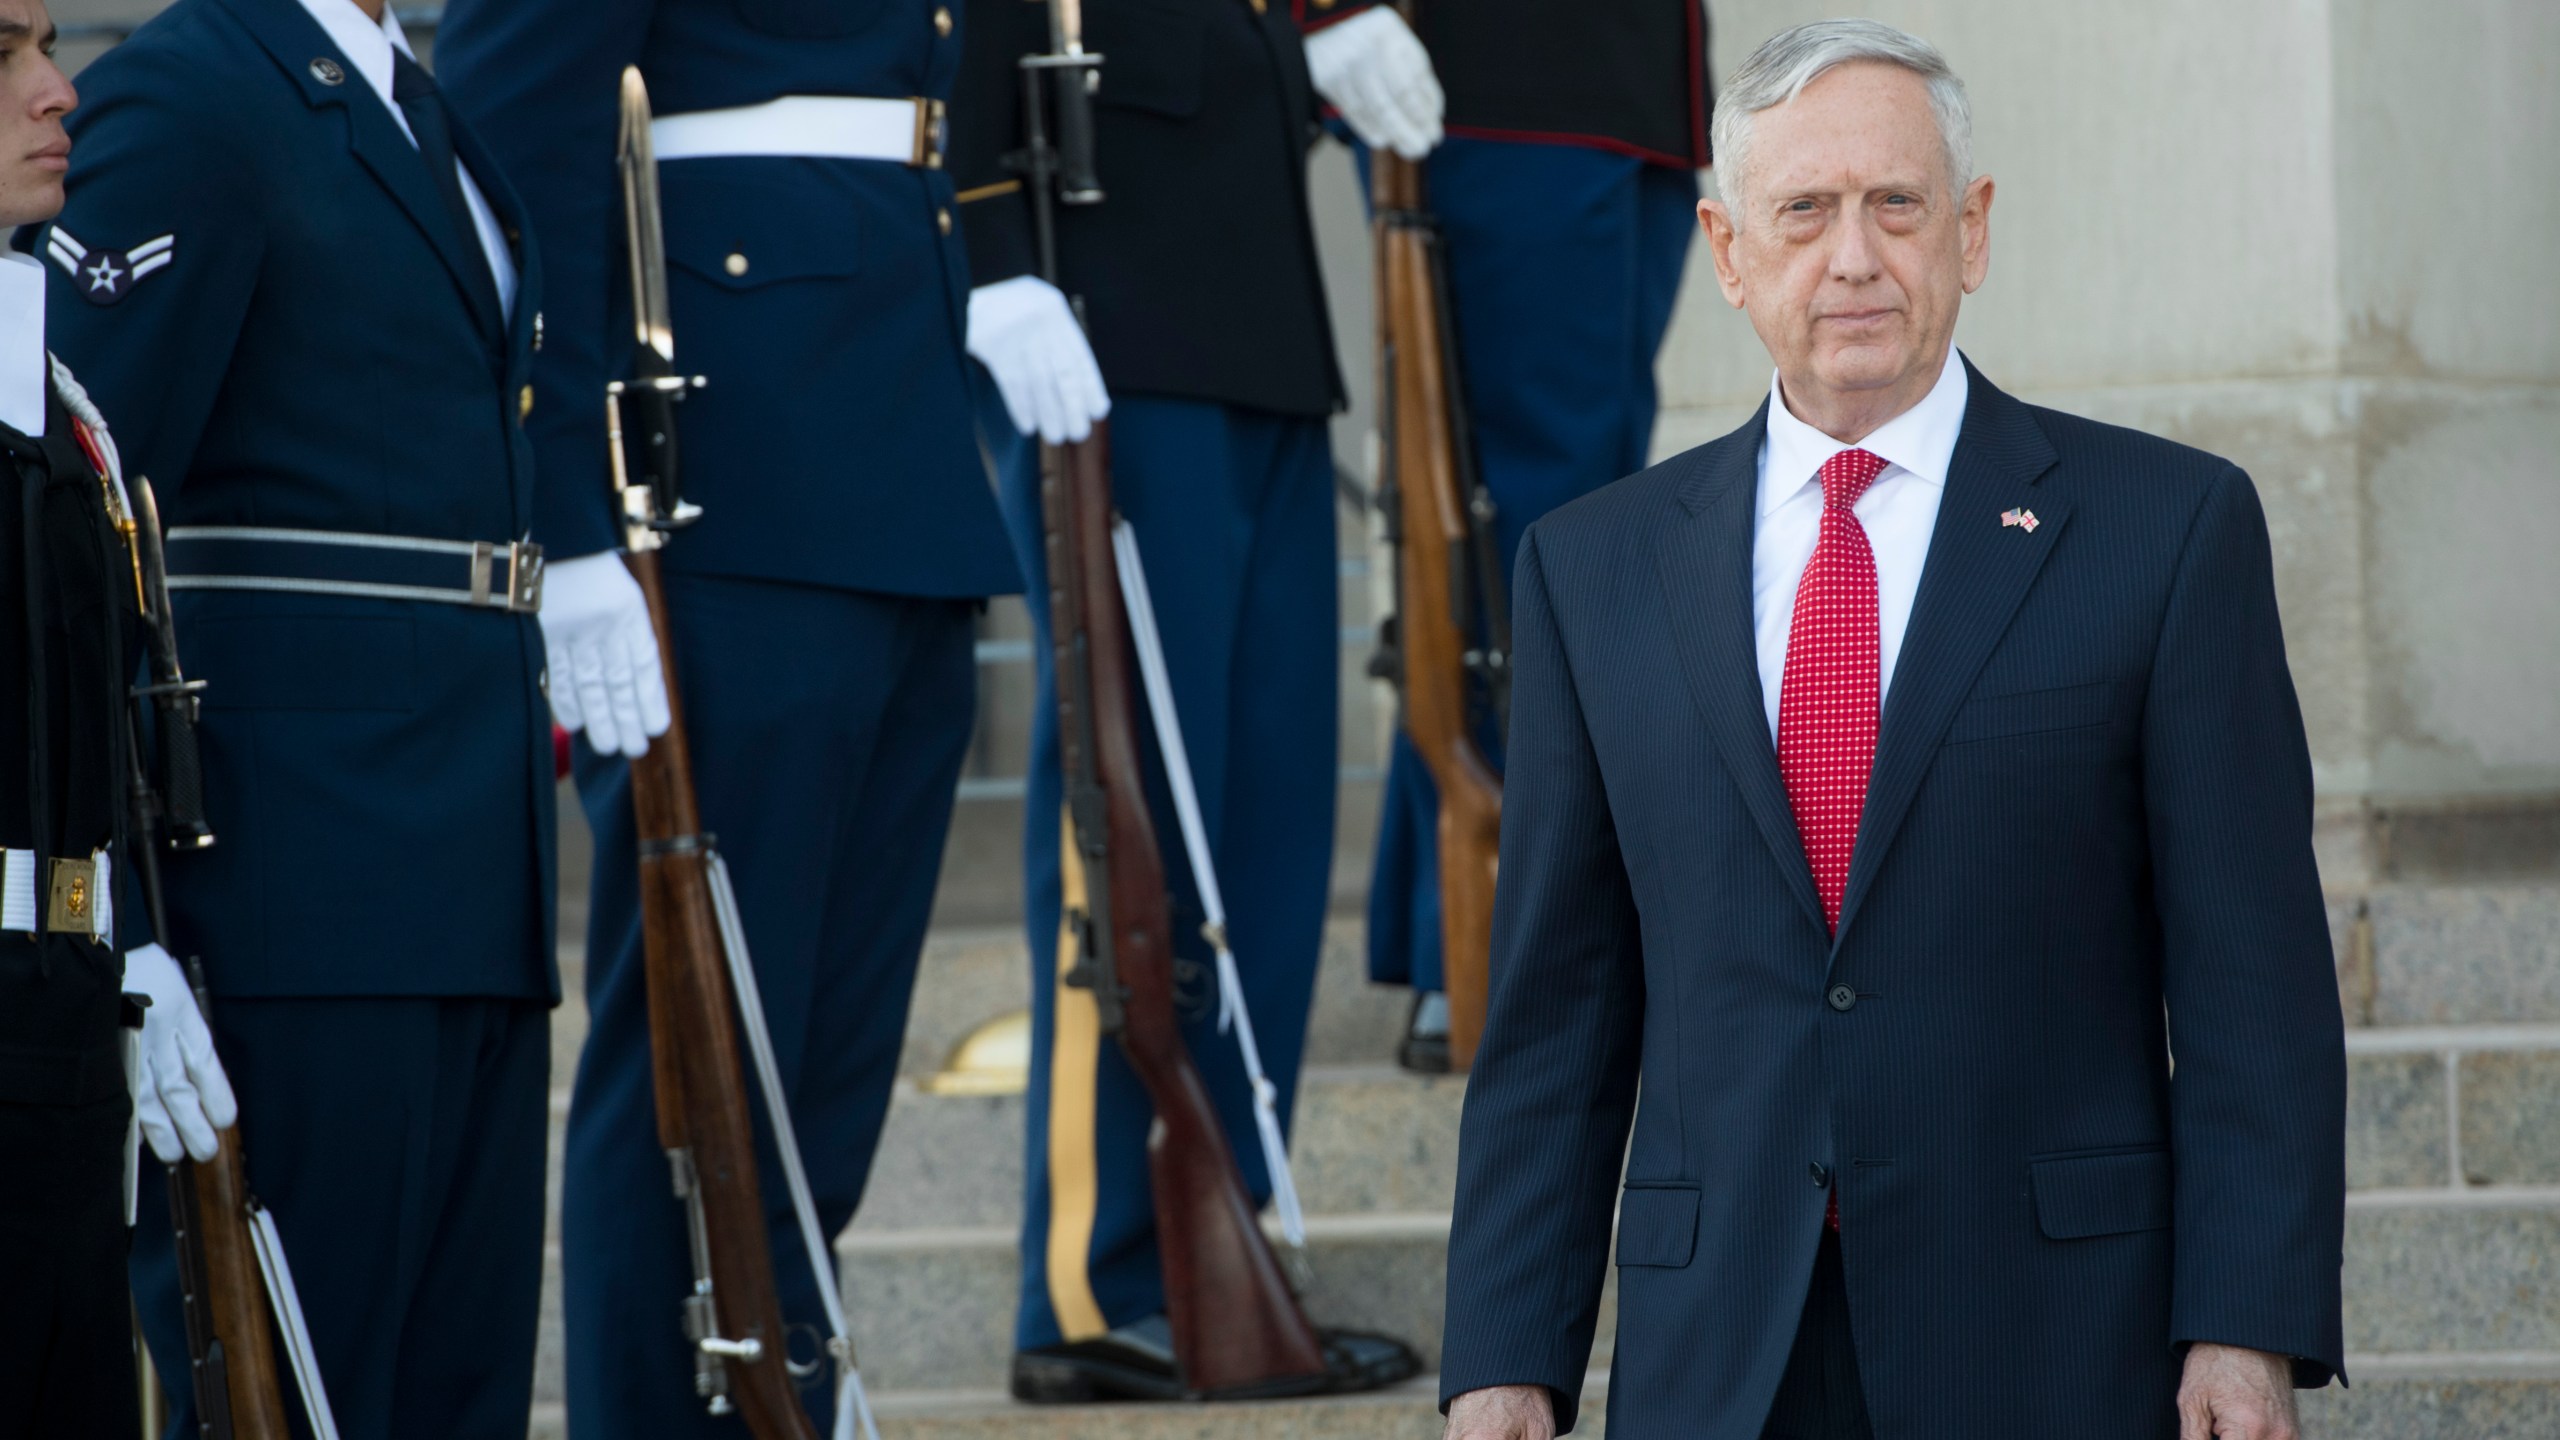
1920, 440
367, 46
24, 371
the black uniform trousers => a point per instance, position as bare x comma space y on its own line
1819, 1397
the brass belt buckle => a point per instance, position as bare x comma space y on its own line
932, 130
72, 905
523, 592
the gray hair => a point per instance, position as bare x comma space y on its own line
1787, 62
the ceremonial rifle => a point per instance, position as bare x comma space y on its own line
700, 981
1449, 646
231, 1353
1237, 1329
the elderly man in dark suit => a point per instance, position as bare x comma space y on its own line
1897, 784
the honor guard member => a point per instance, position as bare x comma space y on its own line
67, 632
822, 608
1566, 191
1198, 277
309, 294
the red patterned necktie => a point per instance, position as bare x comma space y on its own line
1828, 701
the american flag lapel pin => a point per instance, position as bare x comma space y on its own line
2022, 518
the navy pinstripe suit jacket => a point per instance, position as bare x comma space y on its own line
2086, 846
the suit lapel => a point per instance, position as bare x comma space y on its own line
298, 44
1977, 572
1703, 558
509, 208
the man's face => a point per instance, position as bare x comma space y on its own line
34, 96
1848, 251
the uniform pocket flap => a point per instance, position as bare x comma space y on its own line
2082, 1195
1657, 1225
743, 221
2028, 712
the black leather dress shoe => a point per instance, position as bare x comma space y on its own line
1425, 1047
1135, 1362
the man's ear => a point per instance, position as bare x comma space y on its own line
1714, 219
1975, 217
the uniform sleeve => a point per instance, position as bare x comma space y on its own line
1554, 1086
539, 81
155, 257
986, 126
2258, 1097
1315, 15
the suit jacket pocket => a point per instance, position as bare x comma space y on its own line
1153, 53
2078, 1196
742, 222
1657, 1225
2029, 712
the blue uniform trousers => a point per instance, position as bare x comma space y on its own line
1564, 262
828, 730
1234, 515
399, 1144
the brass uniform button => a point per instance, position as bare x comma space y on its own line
736, 264
524, 404
942, 21
942, 221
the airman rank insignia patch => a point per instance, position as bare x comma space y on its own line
104, 276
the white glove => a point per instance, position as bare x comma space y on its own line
1026, 335
181, 1095
1376, 72
604, 659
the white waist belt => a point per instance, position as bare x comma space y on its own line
837, 127
25, 885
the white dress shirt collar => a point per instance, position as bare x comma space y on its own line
25, 374
368, 46
1920, 440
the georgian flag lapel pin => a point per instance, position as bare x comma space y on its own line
2023, 519
104, 276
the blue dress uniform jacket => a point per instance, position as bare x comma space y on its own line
825, 299
309, 356
2087, 843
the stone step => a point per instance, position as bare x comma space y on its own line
2464, 954
2396, 1397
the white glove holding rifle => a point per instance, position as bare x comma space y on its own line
1374, 70
1026, 334
180, 1095
605, 678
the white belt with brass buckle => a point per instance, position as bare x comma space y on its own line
78, 895
836, 127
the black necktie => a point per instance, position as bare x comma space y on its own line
423, 103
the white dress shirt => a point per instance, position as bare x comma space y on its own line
26, 377
368, 47
1899, 512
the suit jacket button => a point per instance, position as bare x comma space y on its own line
1843, 999
1821, 1176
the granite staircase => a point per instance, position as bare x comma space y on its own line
2451, 984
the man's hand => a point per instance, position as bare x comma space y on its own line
1026, 335
1503, 1412
1374, 69
2236, 1394
180, 1094
605, 678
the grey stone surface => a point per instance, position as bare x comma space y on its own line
2511, 1117
2469, 1277
2434, 1409
2397, 1121
2465, 954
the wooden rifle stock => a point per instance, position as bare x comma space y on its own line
1440, 565
703, 1123
239, 1392
1237, 1330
